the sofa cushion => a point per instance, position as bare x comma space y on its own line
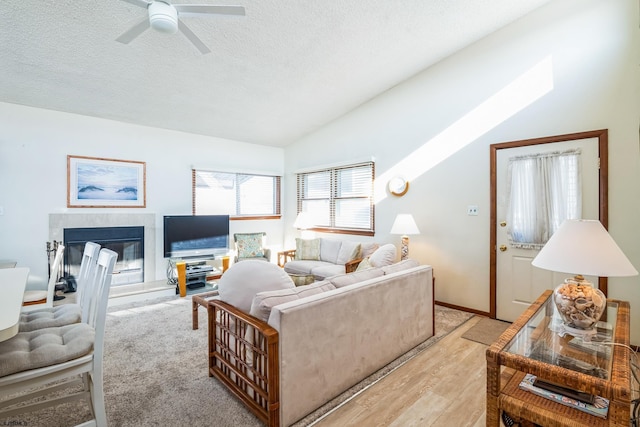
348, 251
243, 280
303, 266
263, 302
342, 280
400, 266
366, 249
384, 255
249, 245
308, 249
329, 250
326, 269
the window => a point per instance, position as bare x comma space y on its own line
339, 199
545, 190
242, 196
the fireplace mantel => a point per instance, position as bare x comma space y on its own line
58, 222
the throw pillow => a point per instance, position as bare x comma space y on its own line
364, 264
249, 245
243, 280
308, 249
384, 255
263, 302
348, 251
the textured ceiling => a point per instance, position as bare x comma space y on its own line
280, 72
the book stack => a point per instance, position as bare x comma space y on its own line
594, 405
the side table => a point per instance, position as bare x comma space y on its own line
285, 256
530, 346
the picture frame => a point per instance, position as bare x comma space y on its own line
94, 182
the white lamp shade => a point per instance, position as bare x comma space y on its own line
404, 225
304, 221
584, 247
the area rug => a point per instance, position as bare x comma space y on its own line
486, 331
156, 372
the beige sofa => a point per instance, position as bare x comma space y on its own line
324, 339
324, 257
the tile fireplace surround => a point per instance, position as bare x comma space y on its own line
58, 222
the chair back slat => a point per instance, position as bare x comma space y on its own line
85, 277
53, 277
101, 284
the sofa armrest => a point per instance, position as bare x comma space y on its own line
352, 265
243, 355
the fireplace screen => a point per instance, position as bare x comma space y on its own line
127, 242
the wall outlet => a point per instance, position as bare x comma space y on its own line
472, 210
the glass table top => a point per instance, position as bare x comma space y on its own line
540, 339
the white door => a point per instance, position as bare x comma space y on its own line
518, 283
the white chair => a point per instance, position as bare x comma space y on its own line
66, 314
36, 299
38, 363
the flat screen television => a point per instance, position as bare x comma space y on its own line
195, 235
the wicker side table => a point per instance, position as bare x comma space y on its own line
529, 346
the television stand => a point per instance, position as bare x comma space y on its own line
196, 272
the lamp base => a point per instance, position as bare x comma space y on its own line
404, 249
563, 329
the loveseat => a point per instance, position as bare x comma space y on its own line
300, 347
325, 257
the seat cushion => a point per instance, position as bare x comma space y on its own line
243, 280
32, 296
400, 266
342, 280
66, 314
45, 347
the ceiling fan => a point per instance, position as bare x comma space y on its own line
165, 18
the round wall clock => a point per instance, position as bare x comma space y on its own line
398, 186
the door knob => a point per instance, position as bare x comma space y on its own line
503, 223
503, 248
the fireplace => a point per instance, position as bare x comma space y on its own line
127, 242
58, 222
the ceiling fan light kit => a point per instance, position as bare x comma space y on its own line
163, 17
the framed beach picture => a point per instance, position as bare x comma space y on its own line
105, 183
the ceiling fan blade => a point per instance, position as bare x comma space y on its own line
142, 3
134, 31
204, 9
194, 39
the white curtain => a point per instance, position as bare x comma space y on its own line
544, 190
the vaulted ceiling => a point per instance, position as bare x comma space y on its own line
283, 70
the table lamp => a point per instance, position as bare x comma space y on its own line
582, 247
304, 221
404, 225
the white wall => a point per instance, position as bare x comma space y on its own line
423, 129
34, 144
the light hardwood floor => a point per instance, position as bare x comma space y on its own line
445, 385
